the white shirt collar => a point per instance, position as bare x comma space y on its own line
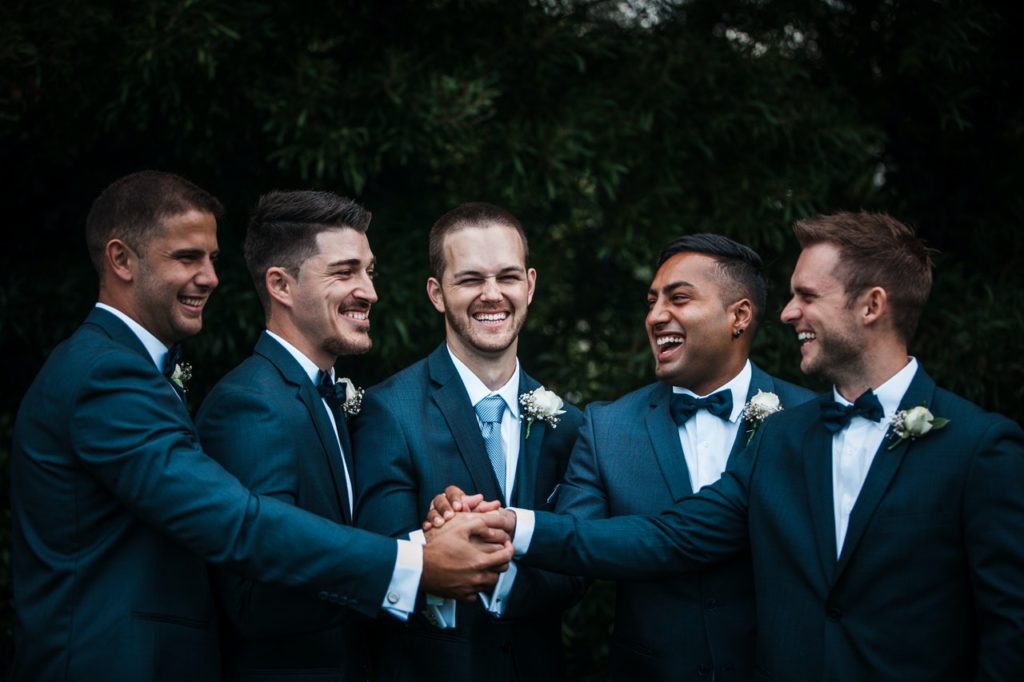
308, 366
891, 392
478, 390
739, 385
156, 349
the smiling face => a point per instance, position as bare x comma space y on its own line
690, 327
825, 321
328, 310
175, 276
484, 291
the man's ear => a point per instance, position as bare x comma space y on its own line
435, 294
741, 313
121, 260
279, 285
531, 283
874, 305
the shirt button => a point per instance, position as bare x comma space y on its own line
393, 598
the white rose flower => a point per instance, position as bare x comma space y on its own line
547, 402
918, 421
767, 402
541, 404
351, 392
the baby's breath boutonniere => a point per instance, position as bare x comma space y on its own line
353, 402
542, 404
912, 424
761, 406
181, 375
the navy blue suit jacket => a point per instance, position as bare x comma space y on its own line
628, 460
116, 509
930, 582
417, 434
266, 423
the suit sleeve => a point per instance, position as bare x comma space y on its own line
581, 493
994, 528
252, 436
698, 531
538, 591
133, 434
385, 473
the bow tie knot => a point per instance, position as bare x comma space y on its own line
334, 392
172, 359
683, 405
836, 416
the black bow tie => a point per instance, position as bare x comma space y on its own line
836, 415
331, 391
684, 405
172, 359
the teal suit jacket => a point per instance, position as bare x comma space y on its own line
116, 509
267, 425
417, 434
628, 460
930, 582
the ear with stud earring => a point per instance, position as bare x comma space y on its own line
737, 333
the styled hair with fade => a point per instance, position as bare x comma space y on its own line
875, 249
740, 268
133, 209
471, 214
284, 227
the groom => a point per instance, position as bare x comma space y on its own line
429, 426
884, 547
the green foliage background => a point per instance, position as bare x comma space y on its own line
608, 127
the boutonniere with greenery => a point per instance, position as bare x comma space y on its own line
353, 402
913, 424
181, 375
761, 406
542, 404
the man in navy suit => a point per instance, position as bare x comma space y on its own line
654, 446
884, 518
454, 418
279, 423
115, 506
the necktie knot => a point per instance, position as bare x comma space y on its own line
836, 415
491, 409
684, 405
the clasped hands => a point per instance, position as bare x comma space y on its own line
469, 542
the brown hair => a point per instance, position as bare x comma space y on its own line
472, 214
875, 249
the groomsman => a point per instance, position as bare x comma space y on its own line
313, 268
654, 446
885, 518
457, 418
115, 507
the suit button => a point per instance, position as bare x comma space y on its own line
704, 669
834, 614
393, 598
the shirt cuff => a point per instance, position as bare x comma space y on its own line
400, 599
524, 530
439, 611
498, 601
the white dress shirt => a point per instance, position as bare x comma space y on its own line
707, 439
855, 445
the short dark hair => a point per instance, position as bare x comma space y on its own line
471, 214
740, 266
134, 207
875, 249
284, 227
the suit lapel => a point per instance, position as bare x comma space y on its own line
759, 381
306, 393
883, 468
530, 449
451, 399
817, 449
664, 435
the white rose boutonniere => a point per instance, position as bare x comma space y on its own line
353, 397
542, 404
181, 375
912, 424
763, 405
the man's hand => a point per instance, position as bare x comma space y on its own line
466, 555
453, 500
